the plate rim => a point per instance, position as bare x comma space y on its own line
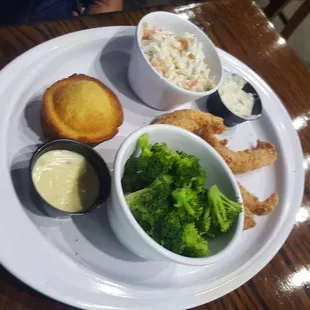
232, 283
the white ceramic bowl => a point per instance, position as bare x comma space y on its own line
127, 229
152, 88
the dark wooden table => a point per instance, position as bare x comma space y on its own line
240, 28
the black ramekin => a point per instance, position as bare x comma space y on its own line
94, 159
217, 107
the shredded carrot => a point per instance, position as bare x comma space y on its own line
159, 65
155, 62
184, 44
148, 33
193, 83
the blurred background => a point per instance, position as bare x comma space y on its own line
291, 18
298, 40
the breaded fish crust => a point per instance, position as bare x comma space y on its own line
248, 219
207, 126
193, 120
254, 205
264, 154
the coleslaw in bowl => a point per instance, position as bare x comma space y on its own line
179, 58
159, 82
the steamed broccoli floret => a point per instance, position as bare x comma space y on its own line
185, 164
165, 191
188, 171
180, 239
159, 163
194, 244
223, 210
149, 203
169, 232
169, 155
199, 180
186, 167
154, 194
143, 142
204, 223
131, 181
190, 200
153, 162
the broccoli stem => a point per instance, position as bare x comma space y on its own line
143, 142
229, 202
180, 196
132, 196
205, 221
219, 209
215, 198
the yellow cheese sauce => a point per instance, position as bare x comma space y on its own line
66, 180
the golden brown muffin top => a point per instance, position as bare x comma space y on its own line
81, 107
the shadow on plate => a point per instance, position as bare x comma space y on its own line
21, 181
113, 63
28, 197
95, 227
104, 254
32, 115
87, 239
109, 149
202, 104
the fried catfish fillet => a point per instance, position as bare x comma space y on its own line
248, 219
193, 120
254, 205
264, 154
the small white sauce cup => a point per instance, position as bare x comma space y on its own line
150, 86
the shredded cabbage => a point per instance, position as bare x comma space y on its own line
180, 59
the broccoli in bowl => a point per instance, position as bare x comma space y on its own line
165, 191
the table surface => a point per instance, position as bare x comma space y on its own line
241, 29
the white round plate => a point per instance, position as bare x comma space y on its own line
78, 261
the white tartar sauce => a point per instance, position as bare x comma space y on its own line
66, 180
236, 99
